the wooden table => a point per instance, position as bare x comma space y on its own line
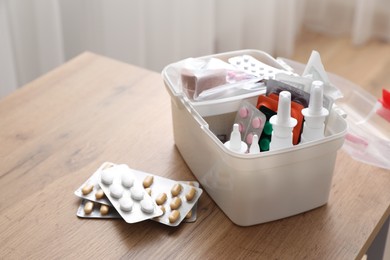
56, 131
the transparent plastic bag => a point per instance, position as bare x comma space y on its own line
368, 137
206, 79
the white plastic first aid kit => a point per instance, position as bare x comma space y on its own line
251, 188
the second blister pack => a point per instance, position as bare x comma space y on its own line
126, 194
92, 209
250, 120
90, 189
176, 199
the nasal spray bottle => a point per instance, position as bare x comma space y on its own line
235, 144
282, 123
254, 148
315, 114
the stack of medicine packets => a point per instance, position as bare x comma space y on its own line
117, 191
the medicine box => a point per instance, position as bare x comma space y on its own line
251, 188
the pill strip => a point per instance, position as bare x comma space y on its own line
126, 193
95, 192
177, 203
191, 216
98, 210
255, 67
250, 120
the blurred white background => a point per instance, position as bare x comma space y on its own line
39, 35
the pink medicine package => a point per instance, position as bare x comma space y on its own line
250, 120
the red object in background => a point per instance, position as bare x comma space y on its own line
384, 110
385, 100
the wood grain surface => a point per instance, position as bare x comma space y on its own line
56, 131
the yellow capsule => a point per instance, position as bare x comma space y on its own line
175, 203
176, 189
88, 207
149, 191
87, 189
104, 209
191, 194
189, 214
174, 216
99, 194
148, 181
161, 198
162, 209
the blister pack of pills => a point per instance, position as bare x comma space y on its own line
175, 199
250, 120
148, 186
192, 214
126, 193
297, 95
302, 83
90, 189
92, 209
255, 67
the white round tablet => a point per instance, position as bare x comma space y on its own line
127, 180
126, 204
137, 193
107, 177
147, 205
116, 191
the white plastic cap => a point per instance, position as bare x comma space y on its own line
283, 117
282, 123
235, 144
235, 138
316, 101
255, 148
313, 128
